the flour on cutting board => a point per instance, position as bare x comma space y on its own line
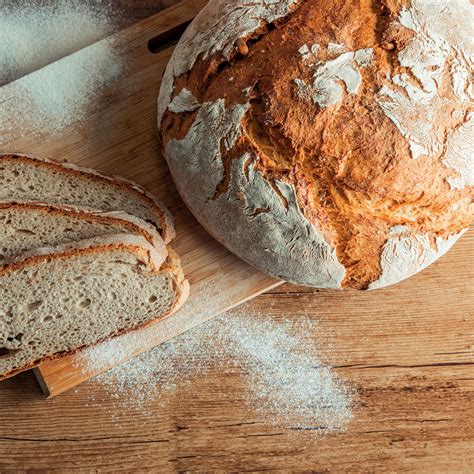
32, 37
66, 91
288, 382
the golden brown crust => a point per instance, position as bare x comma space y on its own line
353, 170
65, 254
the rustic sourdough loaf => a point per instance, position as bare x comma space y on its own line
328, 143
54, 301
29, 225
27, 178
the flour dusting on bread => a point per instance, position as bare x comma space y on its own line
215, 31
335, 76
214, 128
184, 102
421, 99
406, 255
353, 119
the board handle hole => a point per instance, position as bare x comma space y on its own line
167, 39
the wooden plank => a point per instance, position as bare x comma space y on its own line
408, 419
407, 349
120, 137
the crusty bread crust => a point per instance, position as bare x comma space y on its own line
334, 137
136, 225
136, 245
164, 217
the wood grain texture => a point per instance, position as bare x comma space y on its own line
407, 349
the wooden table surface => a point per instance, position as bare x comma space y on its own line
413, 369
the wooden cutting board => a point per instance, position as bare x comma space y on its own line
119, 137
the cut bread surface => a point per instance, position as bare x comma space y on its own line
29, 225
55, 301
27, 178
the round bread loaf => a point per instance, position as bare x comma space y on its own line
328, 143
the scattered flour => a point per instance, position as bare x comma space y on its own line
288, 383
65, 91
32, 37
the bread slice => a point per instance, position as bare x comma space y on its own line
26, 178
56, 301
29, 225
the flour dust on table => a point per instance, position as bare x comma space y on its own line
288, 382
32, 37
60, 93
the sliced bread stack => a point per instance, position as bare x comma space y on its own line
83, 257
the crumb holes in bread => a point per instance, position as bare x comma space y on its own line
85, 303
32, 275
34, 306
153, 299
5, 353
